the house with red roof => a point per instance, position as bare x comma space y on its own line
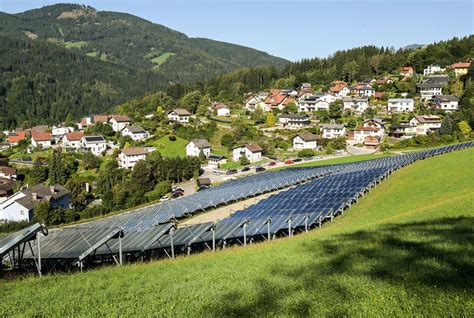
72, 140
340, 89
15, 138
461, 68
42, 140
407, 72
275, 101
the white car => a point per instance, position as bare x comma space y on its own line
216, 172
319, 157
164, 198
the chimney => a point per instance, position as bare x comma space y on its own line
51, 188
34, 196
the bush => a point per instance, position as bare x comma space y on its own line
13, 226
244, 161
305, 153
172, 138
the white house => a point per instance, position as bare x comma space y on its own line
254, 102
340, 89
85, 122
400, 105
403, 131
430, 89
135, 132
364, 90
294, 121
72, 140
95, 144
253, 152
370, 128
194, 148
7, 172
215, 160
127, 158
433, 69
59, 132
426, 123
221, 109
330, 131
20, 206
315, 102
119, 122
305, 141
448, 103
41, 140
356, 104
179, 115
461, 68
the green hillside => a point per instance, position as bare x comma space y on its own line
404, 250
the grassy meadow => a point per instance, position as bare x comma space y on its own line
403, 250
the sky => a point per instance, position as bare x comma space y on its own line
300, 28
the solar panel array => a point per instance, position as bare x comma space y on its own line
326, 191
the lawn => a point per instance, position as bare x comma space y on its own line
346, 159
76, 45
168, 148
158, 60
403, 250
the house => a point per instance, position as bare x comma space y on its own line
400, 105
433, 69
59, 132
402, 131
221, 109
103, 119
374, 127
7, 172
216, 160
305, 141
364, 90
39, 129
72, 140
119, 122
127, 158
315, 102
195, 146
253, 103
203, 182
14, 139
179, 115
429, 89
305, 86
461, 68
20, 206
330, 131
294, 121
85, 122
95, 144
448, 103
263, 95
6, 189
407, 72
253, 152
426, 124
135, 132
42, 140
340, 89
356, 104
383, 81
371, 142
276, 101
378, 95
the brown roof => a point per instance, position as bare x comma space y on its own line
308, 136
42, 193
134, 151
219, 105
121, 118
201, 143
39, 129
180, 112
41, 136
428, 119
461, 65
101, 118
73, 136
254, 147
8, 171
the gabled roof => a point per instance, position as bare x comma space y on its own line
377, 120
307, 137
295, 116
219, 106
135, 129
331, 126
446, 98
41, 136
120, 118
355, 99
201, 143
400, 100
42, 193
134, 151
98, 138
461, 65
424, 119
338, 87
179, 111
17, 138
74, 136
101, 118
251, 147
8, 171
39, 129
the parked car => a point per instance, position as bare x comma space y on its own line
289, 162
231, 171
298, 160
164, 198
203, 187
319, 157
216, 172
308, 158
244, 169
174, 189
177, 194
338, 153
260, 169
272, 164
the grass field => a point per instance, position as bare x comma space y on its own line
161, 59
76, 45
169, 148
404, 250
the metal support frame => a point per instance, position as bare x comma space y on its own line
171, 242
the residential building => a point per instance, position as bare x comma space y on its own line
429, 89
135, 132
6, 189
461, 68
400, 105
402, 131
16, 137
59, 132
253, 152
101, 119
85, 122
305, 141
216, 160
119, 122
179, 115
39, 129
294, 121
315, 102
447, 103
340, 89
194, 148
42, 140
72, 140
221, 109
356, 104
276, 101
426, 124
364, 90
433, 69
20, 206
7, 172
254, 103
383, 81
305, 86
371, 142
407, 72
330, 131
127, 158
95, 144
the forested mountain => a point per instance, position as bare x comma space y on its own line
68, 58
